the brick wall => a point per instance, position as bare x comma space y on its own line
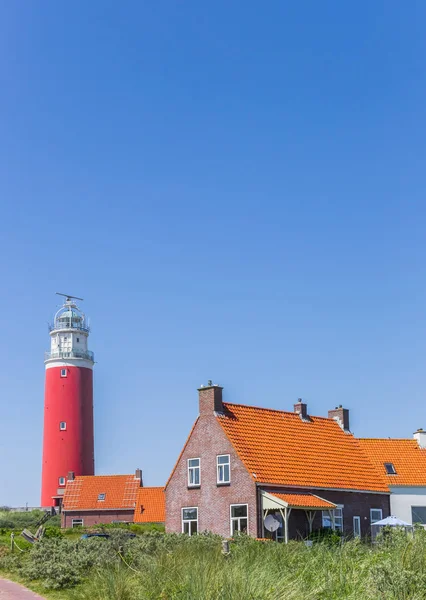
91, 518
354, 504
206, 442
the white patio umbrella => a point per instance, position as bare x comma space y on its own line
392, 522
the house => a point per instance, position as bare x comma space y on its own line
242, 463
95, 499
403, 463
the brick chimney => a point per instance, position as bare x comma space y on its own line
301, 409
138, 475
341, 415
71, 476
420, 436
210, 399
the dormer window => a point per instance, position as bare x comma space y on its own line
101, 496
390, 469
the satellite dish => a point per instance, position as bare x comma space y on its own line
272, 523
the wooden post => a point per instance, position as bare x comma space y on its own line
12, 542
264, 512
310, 515
287, 512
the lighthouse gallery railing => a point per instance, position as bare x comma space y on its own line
86, 354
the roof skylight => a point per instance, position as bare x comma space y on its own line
390, 469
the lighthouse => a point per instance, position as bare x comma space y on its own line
68, 438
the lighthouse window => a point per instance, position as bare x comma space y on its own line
62, 426
61, 480
63, 372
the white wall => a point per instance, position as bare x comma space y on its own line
403, 498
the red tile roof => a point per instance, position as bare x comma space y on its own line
150, 505
406, 455
279, 447
304, 501
83, 492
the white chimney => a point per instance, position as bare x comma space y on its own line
420, 436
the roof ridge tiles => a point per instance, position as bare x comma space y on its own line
273, 410
97, 476
387, 439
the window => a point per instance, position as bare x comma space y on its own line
338, 518
375, 515
223, 468
101, 496
62, 426
63, 372
390, 469
77, 523
193, 472
190, 520
61, 480
418, 514
357, 527
239, 518
77, 340
337, 513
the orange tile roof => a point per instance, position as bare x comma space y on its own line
304, 501
120, 492
150, 505
406, 455
278, 447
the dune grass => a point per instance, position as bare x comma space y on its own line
156, 566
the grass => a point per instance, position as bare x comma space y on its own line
157, 566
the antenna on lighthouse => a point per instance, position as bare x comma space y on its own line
69, 297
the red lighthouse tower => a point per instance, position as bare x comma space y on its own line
68, 440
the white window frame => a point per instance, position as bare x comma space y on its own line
63, 372
414, 508
371, 515
192, 470
357, 520
218, 468
189, 520
330, 515
62, 481
231, 518
340, 526
62, 426
77, 523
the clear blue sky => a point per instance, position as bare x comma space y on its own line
237, 191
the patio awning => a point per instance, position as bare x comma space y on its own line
296, 501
